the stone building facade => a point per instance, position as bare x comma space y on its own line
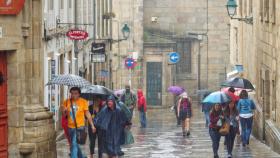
130, 13
199, 32
256, 47
26, 127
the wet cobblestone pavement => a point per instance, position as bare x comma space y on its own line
163, 139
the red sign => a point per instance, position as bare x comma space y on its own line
11, 7
77, 34
130, 63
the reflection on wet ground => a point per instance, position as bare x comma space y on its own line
163, 139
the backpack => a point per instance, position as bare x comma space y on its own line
185, 104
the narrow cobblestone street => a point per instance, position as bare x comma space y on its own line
163, 138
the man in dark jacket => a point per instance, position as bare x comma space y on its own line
112, 120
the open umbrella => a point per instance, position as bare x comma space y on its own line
238, 82
69, 80
89, 91
177, 90
217, 98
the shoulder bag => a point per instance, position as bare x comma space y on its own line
81, 133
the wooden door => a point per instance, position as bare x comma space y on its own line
3, 107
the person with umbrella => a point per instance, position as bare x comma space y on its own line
216, 117
246, 109
94, 108
231, 115
184, 109
111, 120
176, 91
76, 110
206, 110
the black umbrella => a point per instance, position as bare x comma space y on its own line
97, 90
238, 82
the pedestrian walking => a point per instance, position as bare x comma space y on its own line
142, 108
76, 110
111, 120
129, 99
246, 109
185, 113
216, 115
205, 108
94, 109
232, 117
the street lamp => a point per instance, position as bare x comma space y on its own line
231, 9
126, 31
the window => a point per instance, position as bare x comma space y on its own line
266, 10
50, 4
274, 100
70, 3
184, 65
272, 11
245, 13
250, 7
261, 10
240, 8
61, 4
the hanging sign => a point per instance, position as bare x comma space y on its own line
11, 7
77, 34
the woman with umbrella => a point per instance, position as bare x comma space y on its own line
231, 115
184, 109
176, 91
245, 107
216, 116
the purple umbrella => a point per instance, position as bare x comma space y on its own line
177, 90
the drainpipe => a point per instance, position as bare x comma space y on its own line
76, 51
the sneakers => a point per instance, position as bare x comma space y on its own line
229, 156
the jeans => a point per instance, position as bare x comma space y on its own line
92, 138
246, 128
143, 120
75, 150
230, 138
215, 137
207, 118
100, 135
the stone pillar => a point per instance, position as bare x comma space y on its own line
30, 125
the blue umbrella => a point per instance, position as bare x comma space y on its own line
217, 98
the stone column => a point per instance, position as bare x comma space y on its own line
31, 128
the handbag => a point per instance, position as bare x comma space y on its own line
81, 133
224, 130
129, 139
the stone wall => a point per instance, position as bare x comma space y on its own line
131, 13
30, 126
256, 47
175, 20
